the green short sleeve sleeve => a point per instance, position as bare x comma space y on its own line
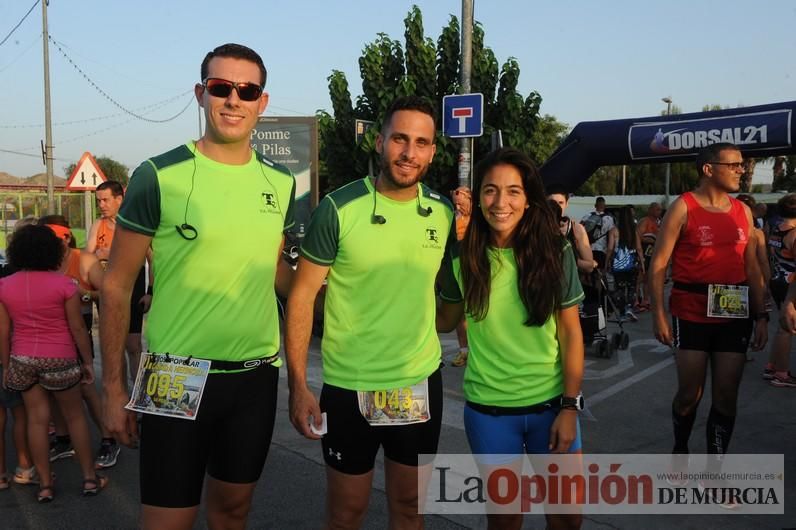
290, 214
321, 241
572, 292
140, 210
449, 289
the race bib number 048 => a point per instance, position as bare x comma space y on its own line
169, 385
396, 406
728, 301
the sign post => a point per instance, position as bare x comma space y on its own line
462, 117
86, 176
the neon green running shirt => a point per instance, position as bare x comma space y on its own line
511, 364
213, 296
379, 329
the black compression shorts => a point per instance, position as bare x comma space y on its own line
712, 338
351, 443
229, 439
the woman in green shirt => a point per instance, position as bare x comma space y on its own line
515, 279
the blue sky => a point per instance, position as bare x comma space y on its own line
589, 60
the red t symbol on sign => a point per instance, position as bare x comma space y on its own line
461, 114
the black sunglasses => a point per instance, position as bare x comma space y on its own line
221, 88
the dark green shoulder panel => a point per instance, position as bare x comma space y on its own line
274, 165
170, 158
428, 193
348, 193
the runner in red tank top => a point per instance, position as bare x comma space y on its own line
717, 287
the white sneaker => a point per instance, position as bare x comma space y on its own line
26, 476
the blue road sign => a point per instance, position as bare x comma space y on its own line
463, 115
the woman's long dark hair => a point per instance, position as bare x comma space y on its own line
627, 228
537, 245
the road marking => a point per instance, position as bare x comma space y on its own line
635, 378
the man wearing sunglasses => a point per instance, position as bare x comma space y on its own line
213, 301
716, 299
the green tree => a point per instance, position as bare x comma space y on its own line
112, 169
387, 71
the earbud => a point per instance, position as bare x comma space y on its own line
377, 219
424, 212
187, 232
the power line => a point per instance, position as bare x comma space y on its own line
109, 98
98, 118
28, 154
21, 54
19, 23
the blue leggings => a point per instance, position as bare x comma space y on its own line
512, 434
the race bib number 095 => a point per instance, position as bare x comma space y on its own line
169, 385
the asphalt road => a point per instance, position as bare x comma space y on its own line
628, 411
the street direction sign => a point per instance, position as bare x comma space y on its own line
86, 176
463, 115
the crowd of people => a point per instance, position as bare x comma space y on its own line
503, 264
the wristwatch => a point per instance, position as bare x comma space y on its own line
573, 403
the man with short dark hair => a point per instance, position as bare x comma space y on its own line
381, 354
109, 196
716, 299
598, 225
213, 329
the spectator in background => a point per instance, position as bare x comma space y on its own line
462, 206
761, 249
647, 230
782, 243
574, 232
43, 307
598, 225
624, 260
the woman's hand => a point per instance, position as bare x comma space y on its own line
563, 431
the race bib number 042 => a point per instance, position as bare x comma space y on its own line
728, 301
169, 385
396, 406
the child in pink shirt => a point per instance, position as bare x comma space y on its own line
44, 309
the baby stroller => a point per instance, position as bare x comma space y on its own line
593, 311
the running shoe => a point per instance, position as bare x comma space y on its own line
460, 359
678, 473
108, 454
786, 381
630, 315
26, 476
60, 450
768, 372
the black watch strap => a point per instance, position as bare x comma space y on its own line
576, 403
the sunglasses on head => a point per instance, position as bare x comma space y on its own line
221, 88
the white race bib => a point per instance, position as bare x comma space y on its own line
728, 301
169, 385
396, 406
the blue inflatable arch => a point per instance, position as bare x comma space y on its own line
760, 131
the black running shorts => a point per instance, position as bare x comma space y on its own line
351, 443
711, 338
229, 439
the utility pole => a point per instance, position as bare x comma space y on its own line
668, 101
465, 152
48, 127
